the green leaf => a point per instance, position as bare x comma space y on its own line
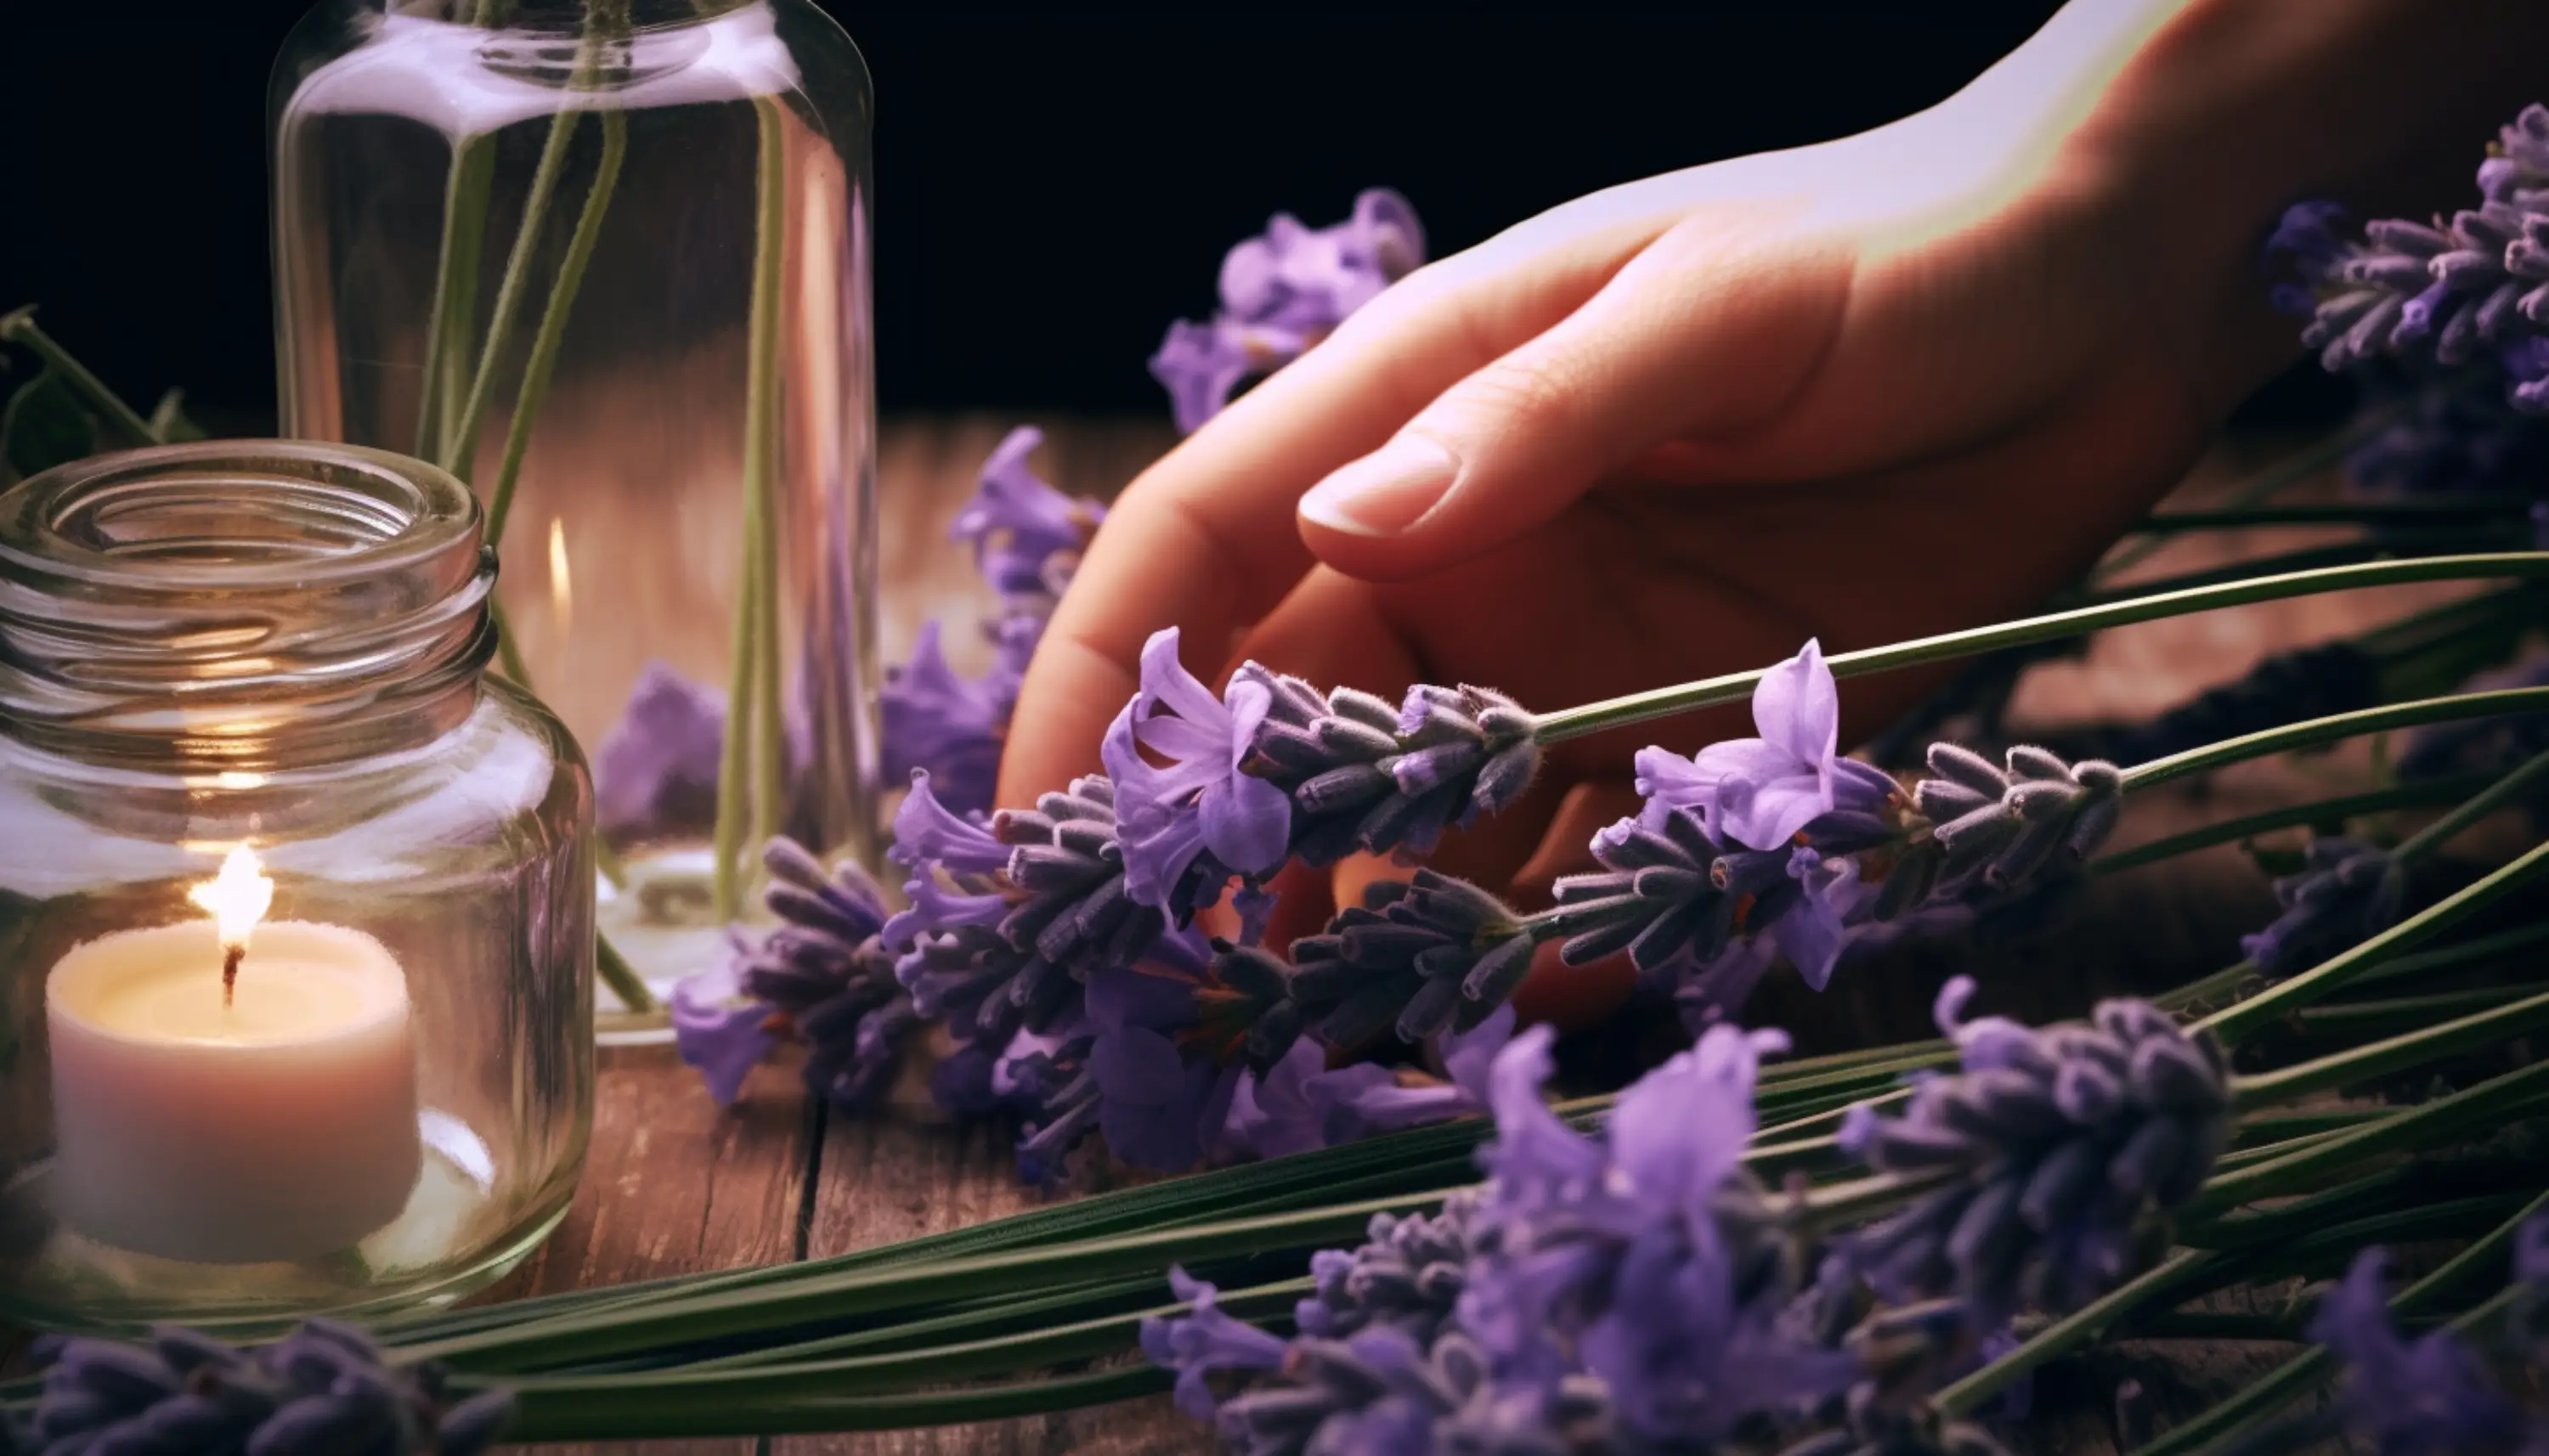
44, 426
170, 422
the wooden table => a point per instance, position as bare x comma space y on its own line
677, 1185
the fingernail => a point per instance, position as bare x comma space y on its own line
1387, 490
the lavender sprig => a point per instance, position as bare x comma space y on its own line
2444, 292
2063, 1144
1282, 293
1027, 539
2350, 892
323, 1390
1619, 1295
824, 977
1268, 772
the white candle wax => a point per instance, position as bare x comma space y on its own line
280, 1126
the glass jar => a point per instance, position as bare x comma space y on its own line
608, 262
244, 708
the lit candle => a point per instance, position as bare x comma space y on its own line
198, 1116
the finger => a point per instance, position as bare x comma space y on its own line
1710, 328
1205, 539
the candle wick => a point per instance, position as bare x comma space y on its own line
232, 956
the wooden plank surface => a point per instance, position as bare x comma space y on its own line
676, 1185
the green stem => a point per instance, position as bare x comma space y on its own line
671, 1391
2348, 1016
2504, 793
1966, 1396
545, 341
459, 455
617, 973
620, 1419
2334, 728
2329, 811
752, 785
686, 1319
2398, 545
2303, 1372
2393, 1053
761, 463
455, 289
2411, 1129
2453, 957
734, 769
19, 328
1664, 703
2233, 1022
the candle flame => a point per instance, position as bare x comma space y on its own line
237, 897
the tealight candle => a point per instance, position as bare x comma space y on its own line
223, 1100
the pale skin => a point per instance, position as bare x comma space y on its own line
1894, 384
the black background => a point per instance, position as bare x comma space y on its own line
1054, 183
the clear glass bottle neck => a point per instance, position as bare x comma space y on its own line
247, 606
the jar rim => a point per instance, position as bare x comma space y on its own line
53, 523
244, 603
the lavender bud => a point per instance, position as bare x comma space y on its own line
1361, 776
323, 1389
2350, 892
2007, 827
1430, 955
2071, 1136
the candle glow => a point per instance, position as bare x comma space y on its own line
237, 897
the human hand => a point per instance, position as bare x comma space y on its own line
1888, 385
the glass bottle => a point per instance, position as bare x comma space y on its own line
607, 260
244, 708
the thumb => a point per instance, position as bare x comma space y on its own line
1707, 330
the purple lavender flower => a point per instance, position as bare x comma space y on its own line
1363, 774
1299, 1104
1421, 956
1204, 1344
1649, 1257
320, 1391
1027, 538
1282, 293
1200, 803
2426, 1397
2462, 436
2350, 892
2004, 827
1761, 792
824, 977
1010, 919
949, 727
2064, 1140
1596, 1296
720, 1027
657, 768
1163, 1100
2447, 291
1406, 1275
1026, 535
827, 977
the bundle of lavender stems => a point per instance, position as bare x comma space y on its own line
1384, 1236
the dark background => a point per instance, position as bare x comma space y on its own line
1054, 183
